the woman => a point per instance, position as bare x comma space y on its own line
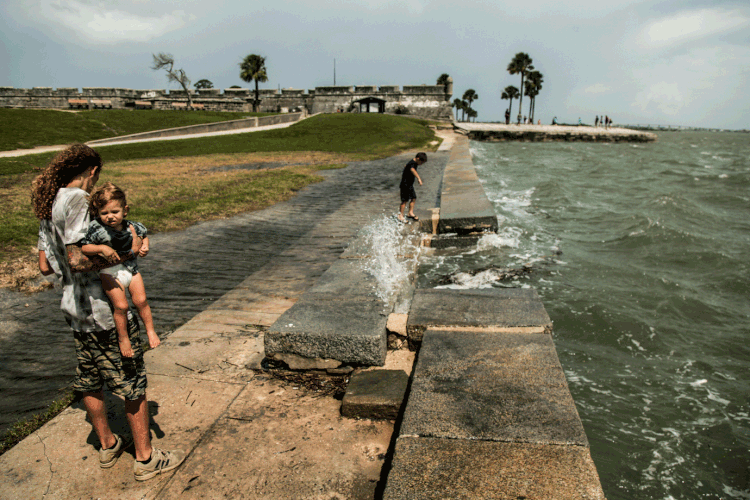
60, 201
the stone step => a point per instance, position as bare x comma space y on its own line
377, 394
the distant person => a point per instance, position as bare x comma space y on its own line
579, 121
507, 117
109, 235
596, 122
554, 121
539, 121
408, 195
606, 122
60, 201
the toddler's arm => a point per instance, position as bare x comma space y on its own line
144, 247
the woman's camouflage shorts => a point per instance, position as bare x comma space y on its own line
99, 362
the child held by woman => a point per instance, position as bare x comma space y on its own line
110, 237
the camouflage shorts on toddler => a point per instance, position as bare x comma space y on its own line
100, 362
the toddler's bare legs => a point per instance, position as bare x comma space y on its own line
116, 294
138, 294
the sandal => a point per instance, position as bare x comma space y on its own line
413, 217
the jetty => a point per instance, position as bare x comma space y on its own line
497, 132
245, 386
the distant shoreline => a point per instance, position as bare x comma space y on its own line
498, 132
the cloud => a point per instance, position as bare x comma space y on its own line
598, 88
665, 97
687, 26
106, 24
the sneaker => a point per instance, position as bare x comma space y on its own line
161, 461
108, 457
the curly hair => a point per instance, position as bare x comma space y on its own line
64, 167
104, 195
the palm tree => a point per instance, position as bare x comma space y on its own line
533, 86
253, 68
472, 114
470, 96
457, 103
509, 93
521, 63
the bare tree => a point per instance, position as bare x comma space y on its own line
166, 62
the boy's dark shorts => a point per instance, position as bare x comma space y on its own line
407, 193
99, 362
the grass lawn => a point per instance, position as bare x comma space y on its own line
28, 128
360, 135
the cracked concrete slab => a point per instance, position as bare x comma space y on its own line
279, 441
181, 410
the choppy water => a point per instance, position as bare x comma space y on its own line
641, 255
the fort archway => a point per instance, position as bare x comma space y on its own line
370, 105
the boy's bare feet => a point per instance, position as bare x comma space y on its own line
153, 340
126, 349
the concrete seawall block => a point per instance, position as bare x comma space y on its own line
429, 468
464, 206
377, 394
320, 325
510, 310
488, 386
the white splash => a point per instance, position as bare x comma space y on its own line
387, 250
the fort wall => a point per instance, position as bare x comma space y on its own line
426, 101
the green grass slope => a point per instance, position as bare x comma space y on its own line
362, 135
28, 128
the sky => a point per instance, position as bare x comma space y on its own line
640, 62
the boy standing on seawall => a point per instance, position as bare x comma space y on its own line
407, 186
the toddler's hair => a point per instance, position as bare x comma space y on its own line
104, 195
422, 156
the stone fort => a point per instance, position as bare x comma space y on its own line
424, 101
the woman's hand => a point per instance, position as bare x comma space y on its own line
137, 242
109, 254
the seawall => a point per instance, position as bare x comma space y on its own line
497, 132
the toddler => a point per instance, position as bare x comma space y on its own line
110, 236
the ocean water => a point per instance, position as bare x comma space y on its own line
641, 255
